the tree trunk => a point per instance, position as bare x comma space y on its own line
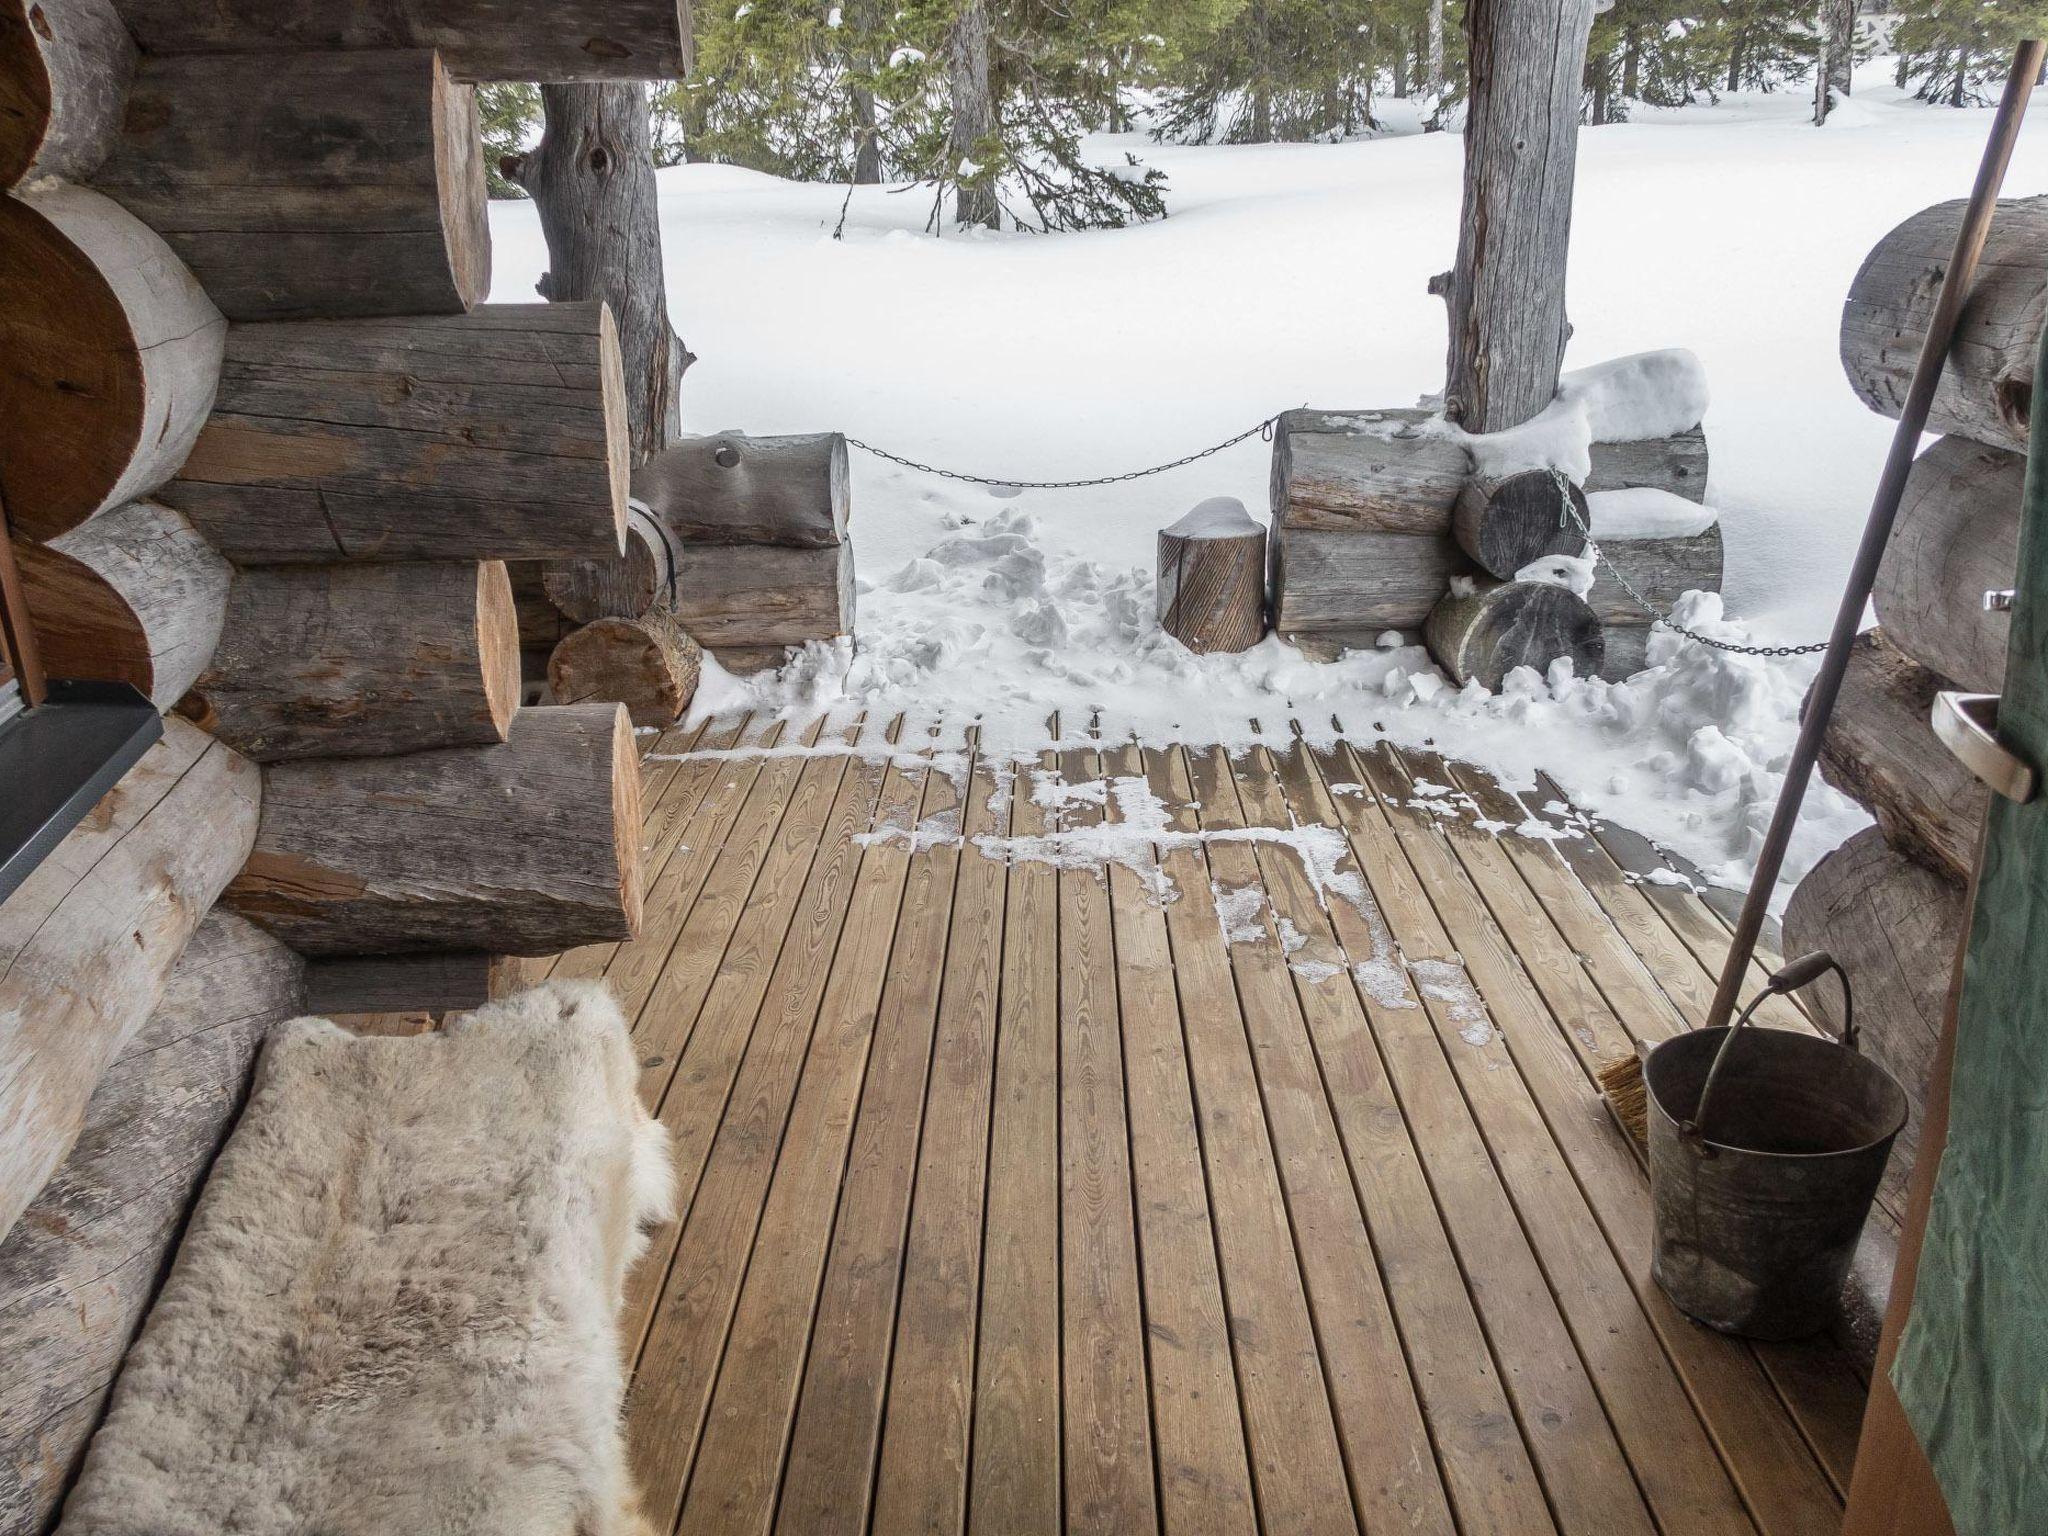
1521, 136
1837, 56
1735, 66
1505, 524
867, 148
1401, 75
1500, 625
1631, 65
1433, 80
974, 117
592, 180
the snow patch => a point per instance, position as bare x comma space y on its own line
1220, 517
1645, 512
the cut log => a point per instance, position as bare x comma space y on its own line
362, 660
1212, 578
64, 72
479, 39
1894, 926
1881, 749
79, 1269
429, 983
498, 435
1987, 385
89, 939
525, 848
1956, 538
625, 587
731, 489
1663, 570
347, 183
751, 595
1499, 625
134, 596
1359, 582
1505, 524
1381, 472
109, 354
648, 664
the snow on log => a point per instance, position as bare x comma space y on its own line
731, 489
362, 660
109, 354
1212, 578
79, 1269
478, 39
1359, 583
1504, 524
88, 940
1663, 570
1482, 630
496, 435
1987, 385
64, 72
1880, 749
648, 664
752, 596
618, 587
1894, 925
1956, 538
344, 183
525, 848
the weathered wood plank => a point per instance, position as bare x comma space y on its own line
1360, 582
747, 596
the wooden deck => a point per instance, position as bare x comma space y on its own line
1019, 1200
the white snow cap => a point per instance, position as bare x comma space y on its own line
1572, 572
1644, 512
1625, 400
1220, 517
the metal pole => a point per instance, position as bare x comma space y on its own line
1891, 485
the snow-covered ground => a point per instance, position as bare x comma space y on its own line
1294, 275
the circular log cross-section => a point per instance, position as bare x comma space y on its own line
1485, 634
64, 72
528, 847
135, 596
1212, 578
647, 664
362, 660
732, 489
296, 184
109, 356
1507, 523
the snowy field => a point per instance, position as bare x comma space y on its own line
1294, 275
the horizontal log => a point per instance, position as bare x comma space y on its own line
134, 596
1986, 388
109, 354
79, 1269
498, 435
342, 183
1880, 749
362, 660
525, 848
1957, 537
753, 595
1483, 633
1359, 582
624, 586
733, 489
478, 39
1505, 524
430, 983
648, 664
88, 941
64, 72
1663, 570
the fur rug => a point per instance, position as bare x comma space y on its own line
395, 1312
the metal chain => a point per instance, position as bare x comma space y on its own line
1568, 517
1262, 429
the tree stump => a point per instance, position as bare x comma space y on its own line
648, 664
1212, 578
1484, 633
1504, 524
1957, 537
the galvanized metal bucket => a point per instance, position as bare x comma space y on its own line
1766, 1148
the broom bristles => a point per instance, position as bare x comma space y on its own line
1628, 1100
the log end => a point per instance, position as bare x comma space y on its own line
464, 193
1483, 634
497, 638
626, 816
618, 444
1506, 524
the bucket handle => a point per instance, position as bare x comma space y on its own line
1790, 977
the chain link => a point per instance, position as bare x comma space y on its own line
1568, 517
1263, 429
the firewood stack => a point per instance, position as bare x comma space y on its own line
1889, 903
1375, 516
262, 460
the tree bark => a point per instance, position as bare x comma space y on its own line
1507, 290
648, 664
1956, 538
64, 72
731, 489
1433, 78
592, 180
974, 116
1482, 636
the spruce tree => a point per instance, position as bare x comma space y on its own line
1957, 51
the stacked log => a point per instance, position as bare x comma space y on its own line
649, 664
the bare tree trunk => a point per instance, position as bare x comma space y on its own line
974, 116
1401, 75
1735, 67
867, 151
1506, 293
1433, 81
1837, 56
592, 179
1631, 65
